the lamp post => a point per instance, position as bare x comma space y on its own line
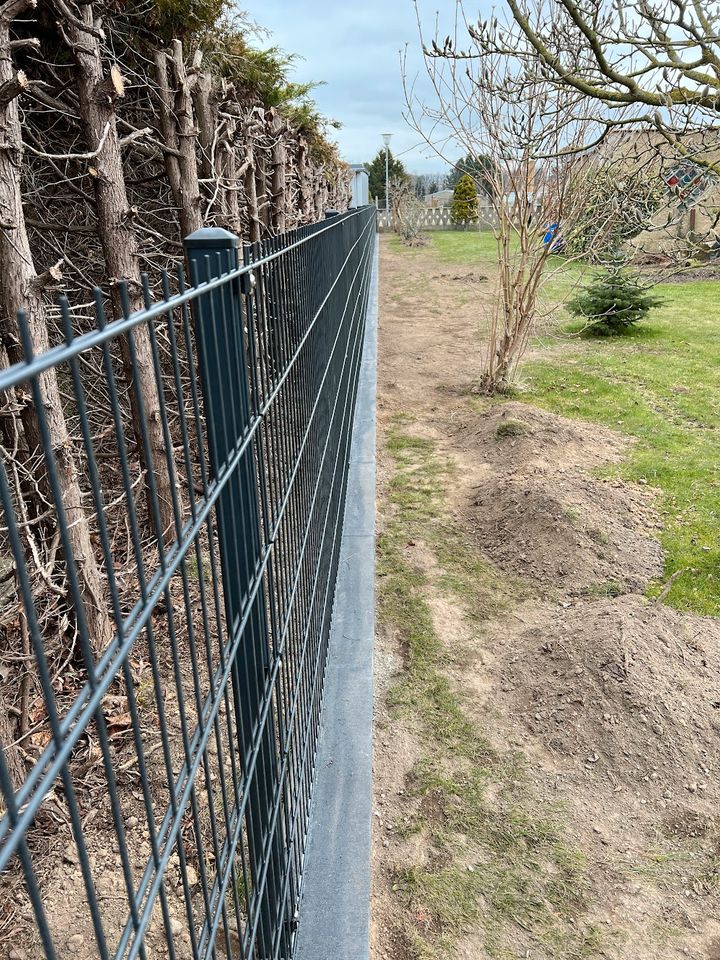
386, 141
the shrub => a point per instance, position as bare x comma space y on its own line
612, 303
618, 205
464, 207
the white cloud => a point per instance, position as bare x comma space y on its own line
355, 49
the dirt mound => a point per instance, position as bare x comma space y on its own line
539, 513
630, 688
518, 436
575, 532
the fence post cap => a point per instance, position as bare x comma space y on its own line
211, 237
331, 213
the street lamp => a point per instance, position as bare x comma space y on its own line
386, 141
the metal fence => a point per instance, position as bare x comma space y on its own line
166, 807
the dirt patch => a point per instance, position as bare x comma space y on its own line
540, 441
540, 513
710, 272
465, 277
659, 268
628, 688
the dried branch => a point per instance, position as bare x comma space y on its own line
13, 88
89, 155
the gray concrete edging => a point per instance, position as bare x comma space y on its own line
334, 917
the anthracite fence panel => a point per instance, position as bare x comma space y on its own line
194, 733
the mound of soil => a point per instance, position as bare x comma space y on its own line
575, 532
538, 512
517, 436
629, 688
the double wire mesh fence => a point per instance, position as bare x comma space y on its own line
167, 773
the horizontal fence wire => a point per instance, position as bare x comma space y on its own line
171, 716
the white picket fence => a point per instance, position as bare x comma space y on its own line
438, 218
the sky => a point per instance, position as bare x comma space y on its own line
354, 47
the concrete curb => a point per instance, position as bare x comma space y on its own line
335, 909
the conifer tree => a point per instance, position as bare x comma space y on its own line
376, 173
464, 207
613, 302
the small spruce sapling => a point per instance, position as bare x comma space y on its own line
612, 303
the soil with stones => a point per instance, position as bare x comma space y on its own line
613, 698
628, 688
539, 513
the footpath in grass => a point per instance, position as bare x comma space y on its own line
661, 385
498, 859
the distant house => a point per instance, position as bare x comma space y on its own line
441, 198
360, 185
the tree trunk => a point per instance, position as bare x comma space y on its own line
279, 200
11, 754
261, 185
19, 287
320, 194
187, 135
304, 183
179, 132
230, 178
206, 123
251, 198
97, 94
168, 129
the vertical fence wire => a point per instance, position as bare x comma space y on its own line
169, 771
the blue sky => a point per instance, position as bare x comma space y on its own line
354, 47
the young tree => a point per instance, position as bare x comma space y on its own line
613, 302
376, 173
464, 206
407, 210
494, 100
480, 168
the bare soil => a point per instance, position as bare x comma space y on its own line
708, 272
611, 697
539, 512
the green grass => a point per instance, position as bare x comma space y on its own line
660, 384
464, 246
511, 429
500, 859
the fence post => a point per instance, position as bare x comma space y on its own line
218, 314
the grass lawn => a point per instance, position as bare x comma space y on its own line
465, 246
476, 247
661, 385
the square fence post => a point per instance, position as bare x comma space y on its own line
218, 316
